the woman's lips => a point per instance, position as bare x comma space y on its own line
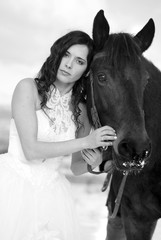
64, 72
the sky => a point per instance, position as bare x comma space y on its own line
30, 27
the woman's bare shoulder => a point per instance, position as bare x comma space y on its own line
28, 83
26, 89
27, 86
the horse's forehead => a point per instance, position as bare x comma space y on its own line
100, 55
102, 61
119, 52
103, 65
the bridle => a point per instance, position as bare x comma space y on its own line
94, 113
97, 124
95, 118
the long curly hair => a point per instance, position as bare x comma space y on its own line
47, 74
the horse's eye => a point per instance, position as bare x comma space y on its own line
101, 77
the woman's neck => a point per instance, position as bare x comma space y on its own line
63, 88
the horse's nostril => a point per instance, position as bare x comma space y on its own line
125, 149
129, 150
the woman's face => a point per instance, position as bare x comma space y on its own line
73, 64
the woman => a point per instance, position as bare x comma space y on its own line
47, 114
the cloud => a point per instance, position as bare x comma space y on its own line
29, 28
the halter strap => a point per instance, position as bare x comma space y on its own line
97, 124
119, 196
94, 113
95, 118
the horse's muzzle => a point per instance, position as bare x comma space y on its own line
130, 157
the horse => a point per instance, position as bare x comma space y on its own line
125, 93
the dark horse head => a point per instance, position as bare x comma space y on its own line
118, 79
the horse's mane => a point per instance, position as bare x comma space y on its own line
122, 49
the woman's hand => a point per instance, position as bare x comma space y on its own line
92, 157
101, 137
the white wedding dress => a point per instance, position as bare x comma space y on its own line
35, 197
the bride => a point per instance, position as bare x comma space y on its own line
49, 123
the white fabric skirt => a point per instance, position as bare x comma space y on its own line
34, 206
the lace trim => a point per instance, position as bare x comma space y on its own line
58, 111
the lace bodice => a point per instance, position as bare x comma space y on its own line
58, 112
57, 119
54, 124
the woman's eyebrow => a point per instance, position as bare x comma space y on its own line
80, 58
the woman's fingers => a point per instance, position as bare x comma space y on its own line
89, 154
87, 157
102, 137
92, 156
108, 138
107, 130
106, 144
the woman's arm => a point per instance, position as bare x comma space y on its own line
78, 164
25, 102
80, 159
91, 156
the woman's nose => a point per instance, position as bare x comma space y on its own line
69, 64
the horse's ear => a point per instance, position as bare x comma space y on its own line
146, 35
100, 30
